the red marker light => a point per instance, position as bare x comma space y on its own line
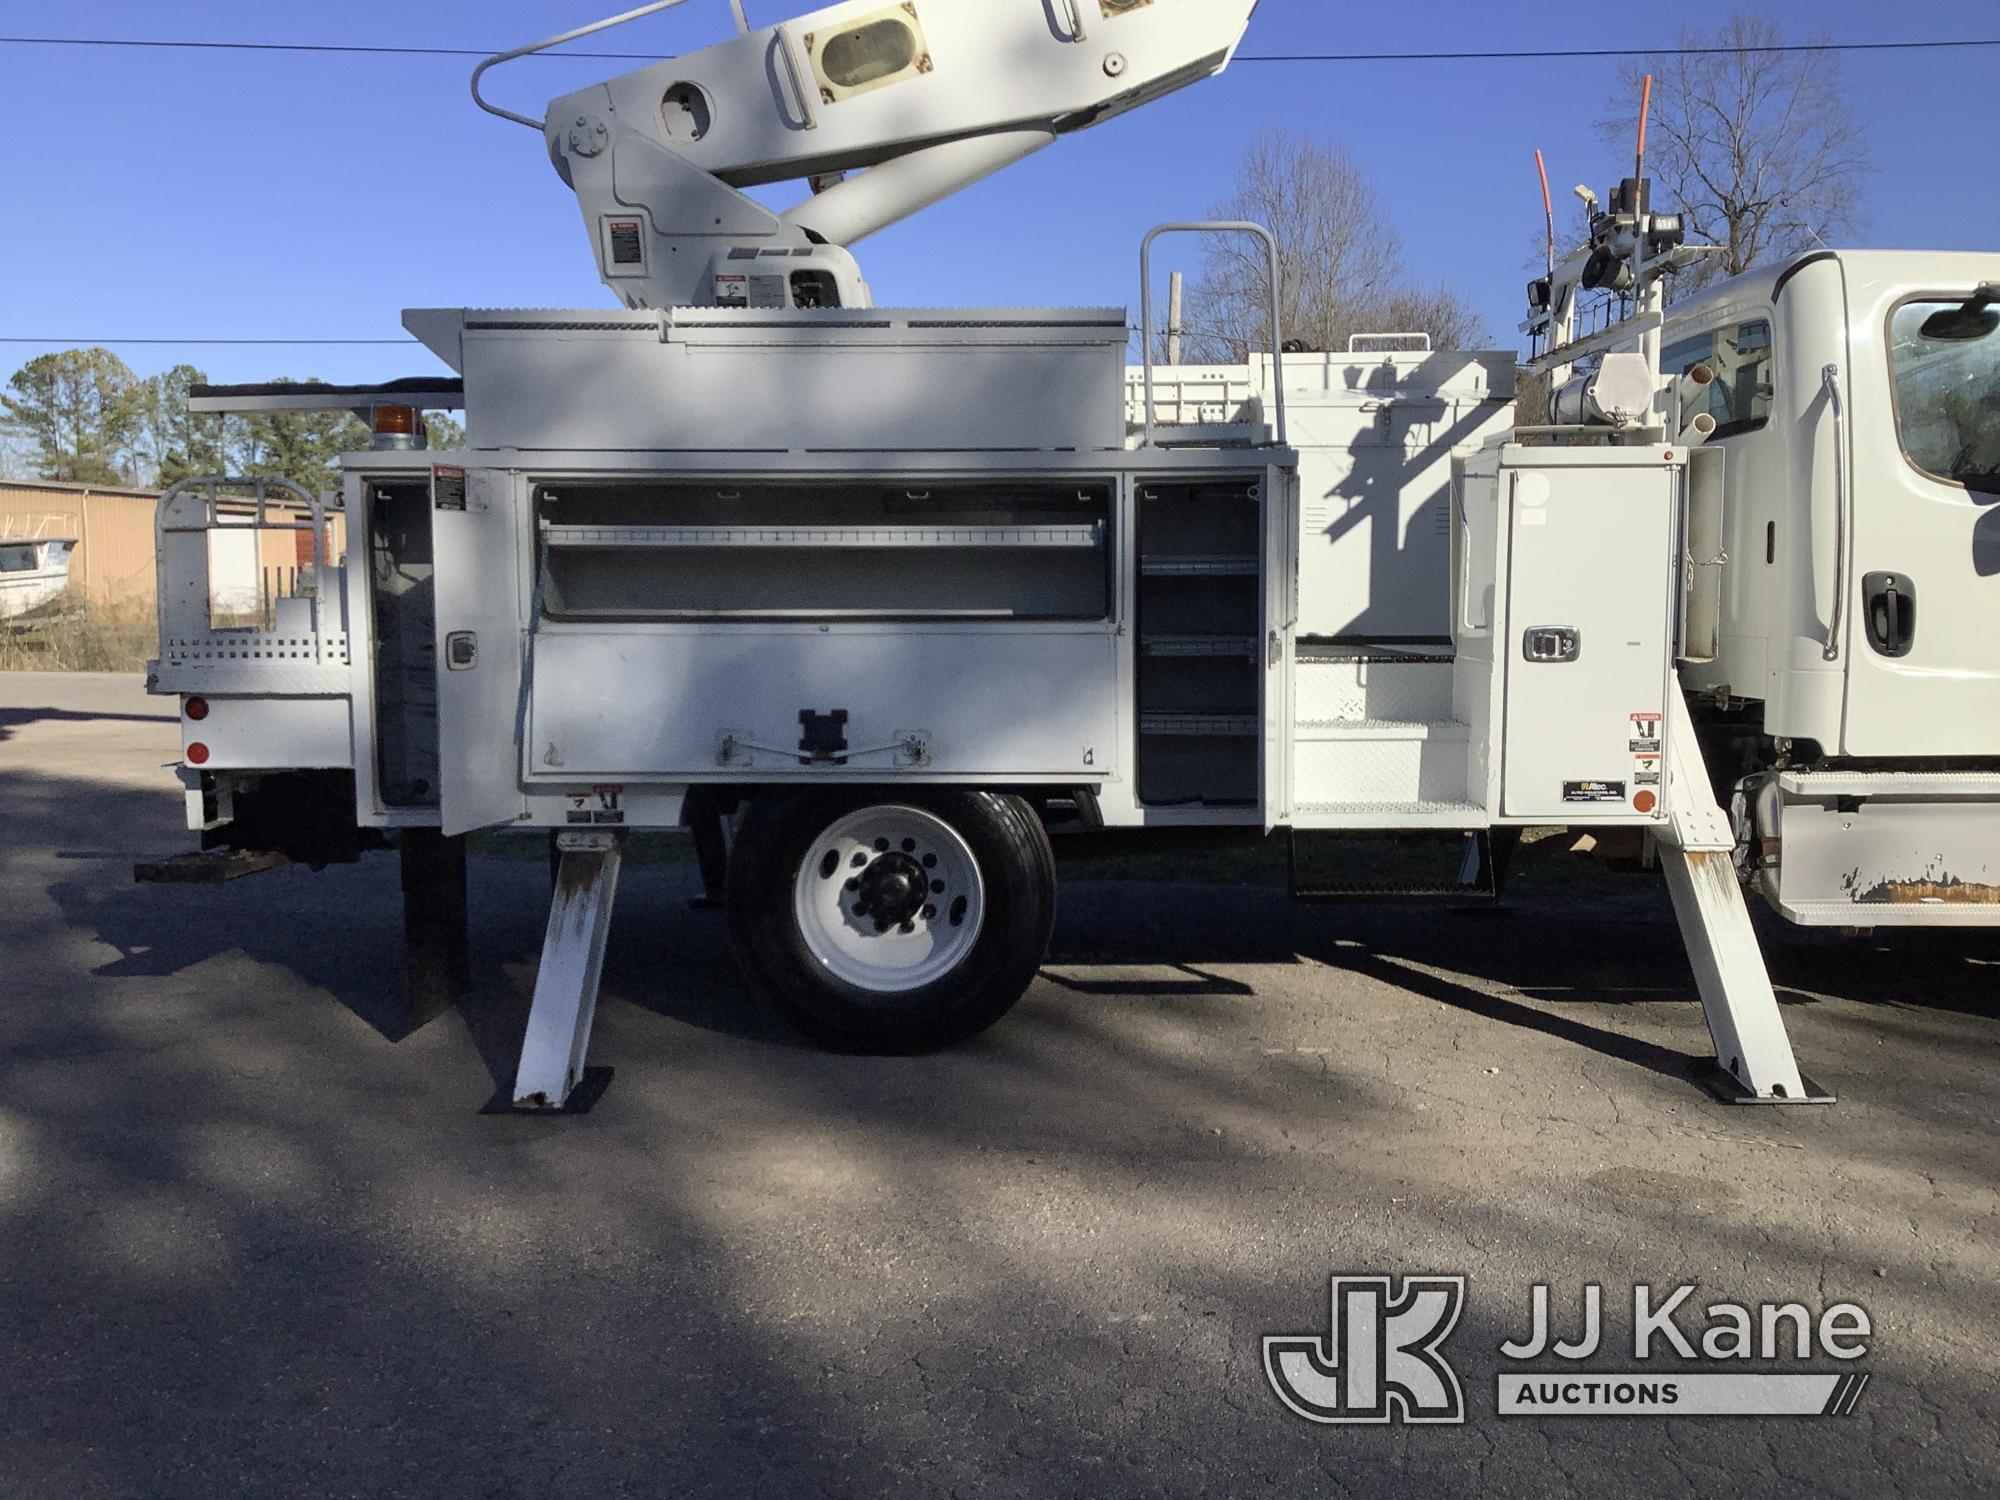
196, 709
1645, 802
197, 754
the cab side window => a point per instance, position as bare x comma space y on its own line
1739, 355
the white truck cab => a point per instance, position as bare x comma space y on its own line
1857, 670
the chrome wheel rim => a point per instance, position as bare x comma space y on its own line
889, 899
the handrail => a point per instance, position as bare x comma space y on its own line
214, 485
807, 120
1229, 226
570, 36
1830, 378
211, 489
1355, 338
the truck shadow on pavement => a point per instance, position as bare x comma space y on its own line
13, 720
252, 1246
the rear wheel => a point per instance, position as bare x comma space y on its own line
891, 922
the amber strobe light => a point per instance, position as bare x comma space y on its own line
395, 421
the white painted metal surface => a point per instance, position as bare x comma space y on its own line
1885, 858
557, 1044
727, 380
1697, 849
477, 521
1588, 635
720, 702
1375, 435
888, 107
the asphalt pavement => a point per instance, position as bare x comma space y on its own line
257, 1240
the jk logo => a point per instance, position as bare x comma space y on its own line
1381, 1362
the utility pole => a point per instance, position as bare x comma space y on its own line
1174, 288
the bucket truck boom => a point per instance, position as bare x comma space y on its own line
884, 109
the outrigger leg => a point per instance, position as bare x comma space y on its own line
565, 1005
1752, 1050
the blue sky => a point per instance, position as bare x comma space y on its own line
172, 194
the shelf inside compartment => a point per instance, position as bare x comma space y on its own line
1208, 770
1199, 567
998, 549
1200, 667
1228, 647
1200, 725
899, 538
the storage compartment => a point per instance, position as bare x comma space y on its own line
402, 588
1031, 550
1200, 656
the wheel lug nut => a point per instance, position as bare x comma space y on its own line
907, 927
930, 913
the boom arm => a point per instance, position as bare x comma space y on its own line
885, 108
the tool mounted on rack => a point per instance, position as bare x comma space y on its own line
1631, 253
884, 109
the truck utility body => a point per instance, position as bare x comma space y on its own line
866, 598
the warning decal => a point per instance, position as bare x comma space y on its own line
448, 488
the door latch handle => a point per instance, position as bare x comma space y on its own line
1554, 644
461, 650
1892, 612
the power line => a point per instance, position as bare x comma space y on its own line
306, 47
1510, 55
1541, 55
277, 343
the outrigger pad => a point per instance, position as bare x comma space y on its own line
1720, 1082
582, 1099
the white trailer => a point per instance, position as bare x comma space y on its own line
870, 598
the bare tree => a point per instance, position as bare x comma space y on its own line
1340, 261
1757, 147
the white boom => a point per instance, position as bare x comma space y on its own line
918, 100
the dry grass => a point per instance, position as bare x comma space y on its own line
103, 638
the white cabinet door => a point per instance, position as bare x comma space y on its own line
477, 519
1586, 643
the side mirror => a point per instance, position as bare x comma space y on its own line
1974, 319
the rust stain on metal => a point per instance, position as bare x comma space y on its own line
575, 876
1946, 891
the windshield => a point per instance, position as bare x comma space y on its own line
1948, 391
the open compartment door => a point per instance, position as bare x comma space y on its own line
1279, 506
476, 520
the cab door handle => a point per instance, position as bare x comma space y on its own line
1891, 600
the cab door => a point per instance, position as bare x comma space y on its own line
477, 517
1921, 637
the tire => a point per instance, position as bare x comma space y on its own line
823, 896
